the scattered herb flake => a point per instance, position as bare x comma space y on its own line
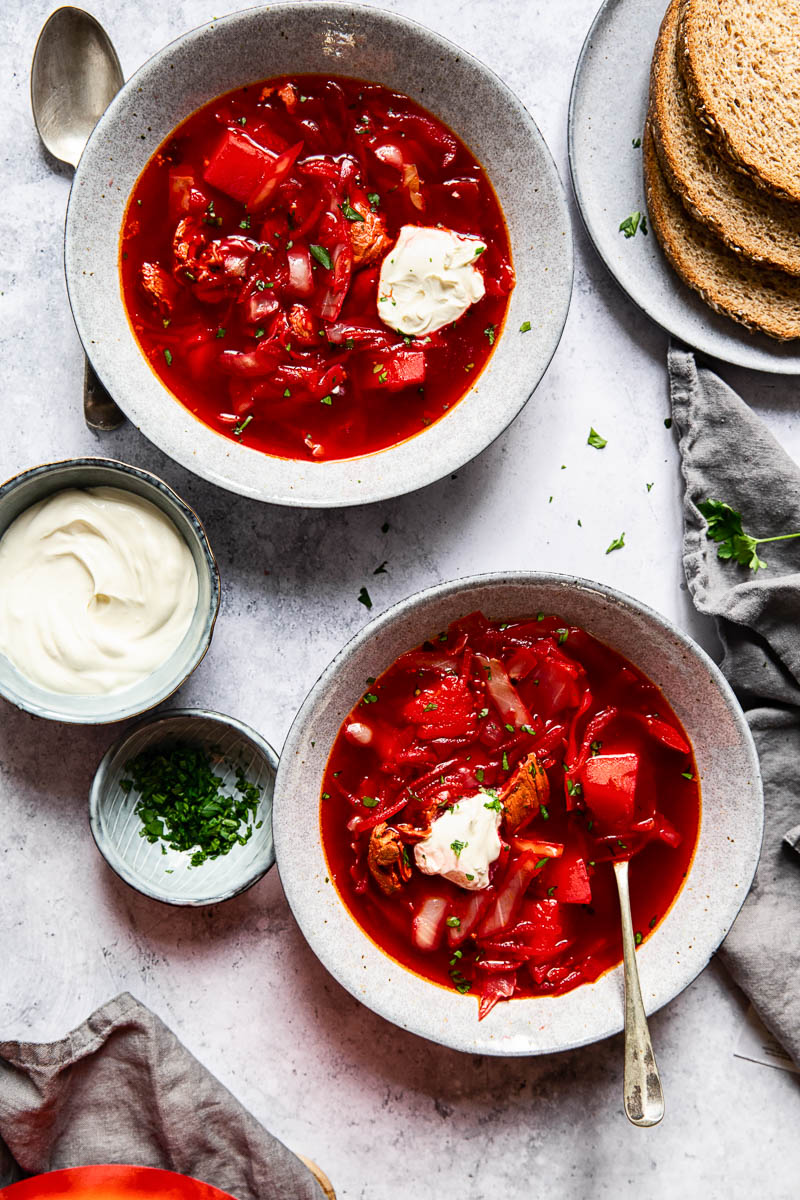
630, 224
322, 256
617, 543
525, 327
364, 598
594, 439
168, 357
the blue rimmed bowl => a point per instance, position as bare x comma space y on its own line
161, 873
18, 494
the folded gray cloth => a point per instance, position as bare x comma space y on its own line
727, 454
122, 1089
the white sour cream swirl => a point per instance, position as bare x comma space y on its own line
463, 843
97, 589
427, 279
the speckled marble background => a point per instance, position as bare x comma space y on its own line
384, 1113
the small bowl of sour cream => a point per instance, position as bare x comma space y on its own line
108, 591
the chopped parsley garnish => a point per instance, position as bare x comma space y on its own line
724, 525
630, 224
687, 774
322, 256
430, 707
636, 143
221, 332
240, 426
259, 333
544, 814
617, 543
168, 357
563, 634
381, 570
574, 789
351, 213
461, 984
488, 333
370, 697
505, 761
374, 200
364, 598
181, 802
594, 439
668, 422
327, 400
649, 487
525, 327
457, 847
541, 862
369, 801
637, 937
453, 922
245, 222
494, 804
479, 774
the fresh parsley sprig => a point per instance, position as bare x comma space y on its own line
724, 525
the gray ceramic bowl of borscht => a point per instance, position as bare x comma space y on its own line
405, 128
599, 685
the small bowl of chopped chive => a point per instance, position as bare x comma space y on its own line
181, 807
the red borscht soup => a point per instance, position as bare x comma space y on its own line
477, 794
316, 267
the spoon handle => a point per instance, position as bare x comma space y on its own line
644, 1098
99, 409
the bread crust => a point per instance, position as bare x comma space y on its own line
757, 297
752, 112
750, 221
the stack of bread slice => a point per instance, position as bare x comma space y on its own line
722, 156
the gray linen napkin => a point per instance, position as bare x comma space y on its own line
728, 454
122, 1089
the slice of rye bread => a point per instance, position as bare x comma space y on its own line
757, 297
741, 63
746, 218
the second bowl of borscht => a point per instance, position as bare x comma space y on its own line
318, 254
456, 788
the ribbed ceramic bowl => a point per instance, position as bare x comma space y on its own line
168, 876
721, 873
39, 482
340, 39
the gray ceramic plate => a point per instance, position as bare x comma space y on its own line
341, 39
28, 488
168, 876
721, 873
607, 111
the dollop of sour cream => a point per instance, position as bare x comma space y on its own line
97, 589
427, 279
463, 843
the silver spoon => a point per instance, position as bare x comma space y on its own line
644, 1098
74, 77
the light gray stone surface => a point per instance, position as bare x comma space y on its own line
384, 1113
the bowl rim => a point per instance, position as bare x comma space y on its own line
390, 480
153, 481
302, 902
99, 783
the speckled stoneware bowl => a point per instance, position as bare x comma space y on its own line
679, 948
341, 39
168, 876
31, 486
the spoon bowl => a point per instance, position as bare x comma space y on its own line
74, 77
